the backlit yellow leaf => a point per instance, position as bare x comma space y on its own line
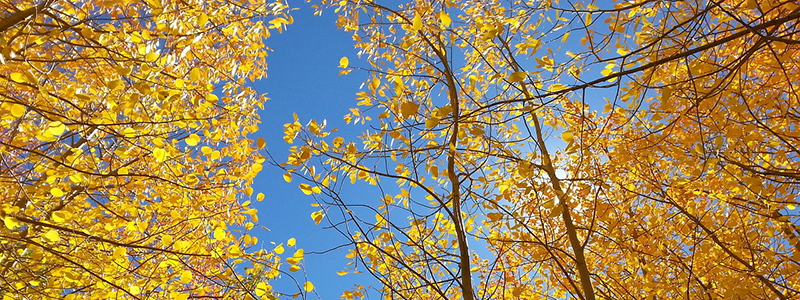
445, 18
186, 276
129, 132
56, 128
317, 216
17, 110
219, 233
60, 216
11, 223
279, 249
287, 177
262, 289
341, 273
299, 254
194, 75
557, 87
291, 242
56, 192
160, 154
306, 189
52, 235
308, 286
344, 62
19, 77
202, 20
193, 139
416, 24
567, 137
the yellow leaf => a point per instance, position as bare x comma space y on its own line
516, 77
445, 18
344, 62
309, 286
135, 290
260, 143
567, 137
19, 77
432, 122
622, 51
279, 249
202, 20
60, 216
291, 242
56, 192
294, 268
666, 93
287, 177
52, 235
160, 154
306, 189
416, 23
316, 190
262, 289
193, 139
341, 273
129, 132
215, 155
260, 197
317, 216
194, 75
606, 72
179, 83
299, 254
408, 109
698, 148
17, 110
380, 220
11, 223
557, 87
56, 128
186, 277
494, 217
219, 233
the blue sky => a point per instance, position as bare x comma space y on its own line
303, 78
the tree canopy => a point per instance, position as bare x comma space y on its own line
551, 149
509, 149
123, 159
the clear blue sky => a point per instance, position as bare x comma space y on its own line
303, 78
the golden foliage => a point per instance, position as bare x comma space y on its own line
682, 182
123, 149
